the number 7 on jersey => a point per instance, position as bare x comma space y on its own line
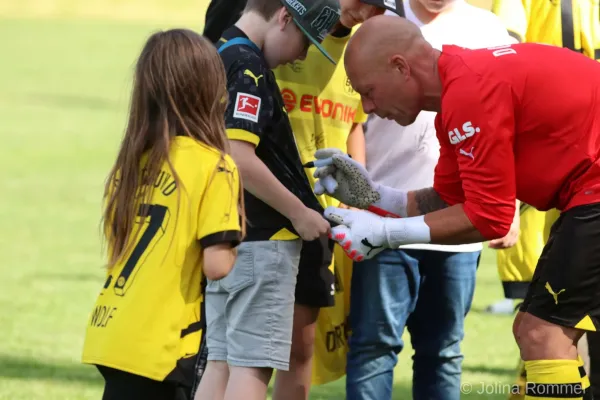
157, 224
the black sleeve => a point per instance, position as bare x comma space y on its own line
251, 103
220, 15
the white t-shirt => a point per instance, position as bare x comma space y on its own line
405, 157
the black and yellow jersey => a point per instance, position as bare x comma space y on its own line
574, 24
320, 101
148, 317
256, 114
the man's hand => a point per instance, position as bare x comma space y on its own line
511, 238
361, 234
345, 179
310, 224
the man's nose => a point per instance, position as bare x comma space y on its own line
368, 106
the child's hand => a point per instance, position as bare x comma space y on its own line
310, 225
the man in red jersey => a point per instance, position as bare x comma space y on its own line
520, 121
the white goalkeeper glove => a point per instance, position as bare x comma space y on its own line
348, 181
363, 234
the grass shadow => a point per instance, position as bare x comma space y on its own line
71, 101
30, 369
500, 372
337, 391
483, 311
62, 276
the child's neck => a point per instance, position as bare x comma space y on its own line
254, 26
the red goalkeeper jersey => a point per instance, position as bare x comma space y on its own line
520, 121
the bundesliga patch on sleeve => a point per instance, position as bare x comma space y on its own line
247, 107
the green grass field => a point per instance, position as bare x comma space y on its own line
65, 68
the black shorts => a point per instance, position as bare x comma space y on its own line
120, 385
315, 285
565, 289
180, 384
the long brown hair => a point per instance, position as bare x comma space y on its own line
179, 88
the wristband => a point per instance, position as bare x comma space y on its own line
412, 230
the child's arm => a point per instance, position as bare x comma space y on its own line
356, 144
261, 183
219, 228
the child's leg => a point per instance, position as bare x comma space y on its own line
260, 311
315, 289
214, 381
248, 383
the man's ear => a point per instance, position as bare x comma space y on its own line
401, 64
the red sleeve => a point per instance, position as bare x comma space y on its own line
446, 180
477, 129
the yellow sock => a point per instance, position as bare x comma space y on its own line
585, 380
554, 379
520, 383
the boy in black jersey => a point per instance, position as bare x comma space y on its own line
250, 312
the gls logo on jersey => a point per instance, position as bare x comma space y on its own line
456, 136
247, 107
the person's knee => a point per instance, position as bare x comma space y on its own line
541, 340
438, 352
218, 366
262, 374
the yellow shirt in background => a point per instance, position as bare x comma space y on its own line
574, 24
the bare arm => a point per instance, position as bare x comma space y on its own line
356, 144
423, 201
447, 224
261, 182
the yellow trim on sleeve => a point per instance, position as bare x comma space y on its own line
284, 234
241, 134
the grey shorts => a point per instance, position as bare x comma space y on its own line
250, 312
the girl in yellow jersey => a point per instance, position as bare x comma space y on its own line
170, 219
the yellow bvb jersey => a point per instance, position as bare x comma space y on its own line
147, 319
322, 107
574, 24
